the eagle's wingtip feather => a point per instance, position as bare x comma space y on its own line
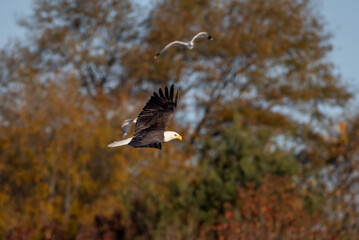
166, 93
172, 92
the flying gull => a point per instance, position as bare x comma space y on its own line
188, 45
151, 122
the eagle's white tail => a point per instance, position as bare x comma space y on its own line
120, 143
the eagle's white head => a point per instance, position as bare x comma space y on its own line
171, 135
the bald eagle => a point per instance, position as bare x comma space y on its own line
151, 122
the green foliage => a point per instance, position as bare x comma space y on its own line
238, 156
229, 160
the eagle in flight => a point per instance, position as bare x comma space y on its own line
151, 122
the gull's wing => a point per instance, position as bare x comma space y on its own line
201, 35
151, 122
127, 125
174, 43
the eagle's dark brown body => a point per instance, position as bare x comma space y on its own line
151, 122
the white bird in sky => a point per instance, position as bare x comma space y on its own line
188, 45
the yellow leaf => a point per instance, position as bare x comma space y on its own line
342, 127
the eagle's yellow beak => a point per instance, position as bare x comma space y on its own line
179, 137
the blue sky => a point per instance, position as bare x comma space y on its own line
342, 17
9, 12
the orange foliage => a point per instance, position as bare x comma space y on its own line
274, 210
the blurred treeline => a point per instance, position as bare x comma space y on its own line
262, 156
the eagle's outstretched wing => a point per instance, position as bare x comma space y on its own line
152, 121
126, 125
